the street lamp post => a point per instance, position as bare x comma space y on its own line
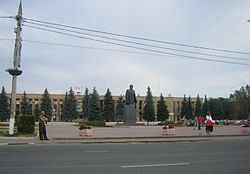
16, 64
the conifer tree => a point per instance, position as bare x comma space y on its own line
148, 110
198, 107
37, 112
25, 106
119, 109
108, 110
69, 107
205, 106
4, 106
46, 104
72, 101
94, 106
162, 110
184, 105
85, 106
189, 109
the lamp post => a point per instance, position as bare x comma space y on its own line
16, 64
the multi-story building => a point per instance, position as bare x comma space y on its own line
173, 104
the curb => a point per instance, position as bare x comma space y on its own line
107, 140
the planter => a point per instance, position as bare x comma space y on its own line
245, 130
168, 131
86, 132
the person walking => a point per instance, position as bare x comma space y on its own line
42, 128
209, 123
195, 122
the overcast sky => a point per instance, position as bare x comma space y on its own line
214, 24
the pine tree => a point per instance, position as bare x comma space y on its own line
198, 109
162, 110
72, 101
189, 109
94, 106
46, 104
184, 105
148, 110
69, 106
119, 109
205, 106
85, 106
25, 106
37, 112
4, 106
108, 110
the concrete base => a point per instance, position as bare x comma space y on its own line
129, 114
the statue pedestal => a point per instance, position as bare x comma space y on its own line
130, 114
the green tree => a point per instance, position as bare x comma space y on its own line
108, 109
69, 107
94, 106
119, 109
25, 106
184, 106
205, 106
219, 108
189, 109
37, 111
198, 107
242, 98
4, 106
46, 104
148, 110
85, 106
162, 109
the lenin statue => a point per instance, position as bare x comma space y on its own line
130, 107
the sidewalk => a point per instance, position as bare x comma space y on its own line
68, 133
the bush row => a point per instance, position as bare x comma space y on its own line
93, 123
25, 124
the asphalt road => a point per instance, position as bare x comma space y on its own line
227, 156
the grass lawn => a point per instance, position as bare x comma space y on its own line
4, 131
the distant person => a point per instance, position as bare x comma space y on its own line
42, 128
184, 121
209, 123
199, 119
195, 122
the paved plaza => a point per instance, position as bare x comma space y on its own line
69, 133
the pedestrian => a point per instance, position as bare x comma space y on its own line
42, 128
195, 122
209, 123
183, 121
199, 119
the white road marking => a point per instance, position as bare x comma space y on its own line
96, 151
155, 165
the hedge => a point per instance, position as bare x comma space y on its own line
25, 124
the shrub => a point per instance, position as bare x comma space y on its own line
167, 123
25, 124
95, 123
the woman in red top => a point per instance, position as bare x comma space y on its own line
199, 118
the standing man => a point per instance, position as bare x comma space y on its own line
42, 128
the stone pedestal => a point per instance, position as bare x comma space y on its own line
129, 114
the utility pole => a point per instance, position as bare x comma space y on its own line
16, 64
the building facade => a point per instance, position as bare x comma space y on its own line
173, 104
